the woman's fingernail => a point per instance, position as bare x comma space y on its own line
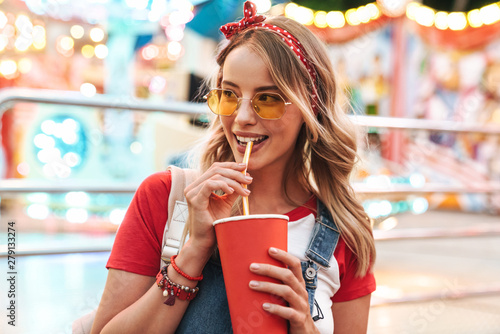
254, 266
242, 164
254, 284
246, 191
266, 306
273, 250
248, 178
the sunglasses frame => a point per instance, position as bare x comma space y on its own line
242, 98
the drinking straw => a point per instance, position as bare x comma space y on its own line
246, 157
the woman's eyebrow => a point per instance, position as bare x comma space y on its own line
229, 83
258, 89
267, 88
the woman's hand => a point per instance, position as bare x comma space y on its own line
293, 290
205, 207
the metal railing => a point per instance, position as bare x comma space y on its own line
9, 96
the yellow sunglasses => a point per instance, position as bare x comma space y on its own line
224, 102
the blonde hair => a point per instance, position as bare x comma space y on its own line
325, 152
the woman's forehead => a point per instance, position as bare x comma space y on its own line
245, 67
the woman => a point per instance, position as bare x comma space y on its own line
275, 87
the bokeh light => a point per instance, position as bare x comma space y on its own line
101, 51
77, 31
96, 34
88, 51
88, 89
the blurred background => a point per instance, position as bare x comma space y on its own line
96, 95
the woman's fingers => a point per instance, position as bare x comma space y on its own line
298, 308
293, 287
292, 290
282, 290
292, 275
231, 170
287, 313
227, 177
289, 260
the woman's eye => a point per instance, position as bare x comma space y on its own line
268, 98
228, 93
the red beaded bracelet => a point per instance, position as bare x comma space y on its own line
198, 278
173, 290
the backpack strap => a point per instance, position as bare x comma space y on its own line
177, 211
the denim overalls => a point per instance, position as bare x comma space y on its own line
209, 312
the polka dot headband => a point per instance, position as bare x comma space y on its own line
253, 21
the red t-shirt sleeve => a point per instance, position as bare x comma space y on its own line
351, 287
137, 246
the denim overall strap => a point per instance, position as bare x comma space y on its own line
324, 239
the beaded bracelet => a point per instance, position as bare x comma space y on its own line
172, 289
197, 278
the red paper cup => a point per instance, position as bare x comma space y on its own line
244, 240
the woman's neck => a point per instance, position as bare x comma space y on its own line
268, 196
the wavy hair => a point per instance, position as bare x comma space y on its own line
325, 151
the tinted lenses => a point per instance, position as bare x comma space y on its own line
267, 105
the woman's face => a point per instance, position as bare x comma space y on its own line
245, 74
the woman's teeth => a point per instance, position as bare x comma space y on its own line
245, 140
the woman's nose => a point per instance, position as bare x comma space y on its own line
245, 113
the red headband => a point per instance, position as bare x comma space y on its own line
251, 20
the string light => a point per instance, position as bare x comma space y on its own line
393, 8
335, 19
320, 19
456, 21
421, 14
425, 16
290, 10
490, 14
263, 6
373, 10
441, 20
411, 10
474, 18
8, 68
363, 14
351, 16
39, 39
25, 65
304, 15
